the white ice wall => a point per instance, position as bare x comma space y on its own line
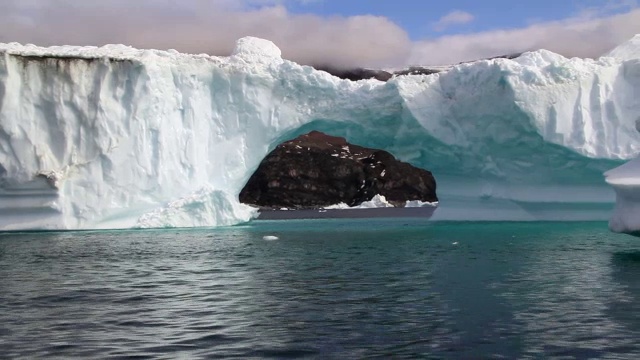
119, 137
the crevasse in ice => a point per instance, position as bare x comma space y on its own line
116, 137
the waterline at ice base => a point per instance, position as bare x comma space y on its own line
116, 137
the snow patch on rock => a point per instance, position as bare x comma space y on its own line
379, 201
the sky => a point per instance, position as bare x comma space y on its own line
340, 33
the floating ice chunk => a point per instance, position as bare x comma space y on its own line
418, 203
270, 238
625, 181
337, 206
378, 201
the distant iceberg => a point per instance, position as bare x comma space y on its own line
116, 137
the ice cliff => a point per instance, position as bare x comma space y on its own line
116, 137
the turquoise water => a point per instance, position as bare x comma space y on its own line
326, 289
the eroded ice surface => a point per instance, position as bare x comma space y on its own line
119, 137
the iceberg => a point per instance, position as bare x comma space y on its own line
625, 180
117, 137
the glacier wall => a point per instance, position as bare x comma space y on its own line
116, 137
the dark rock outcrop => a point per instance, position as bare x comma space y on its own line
355, 74
317, 170
416, 70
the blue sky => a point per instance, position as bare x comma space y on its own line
346, 33
418, 17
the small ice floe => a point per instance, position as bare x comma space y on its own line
454, 243
269, 237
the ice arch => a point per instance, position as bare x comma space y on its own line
117, 137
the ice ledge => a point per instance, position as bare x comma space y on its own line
249, 49
120, 52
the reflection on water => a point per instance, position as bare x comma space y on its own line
331, 288
562, 300
626, 273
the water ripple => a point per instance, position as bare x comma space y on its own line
326, 290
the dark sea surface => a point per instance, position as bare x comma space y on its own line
337, 288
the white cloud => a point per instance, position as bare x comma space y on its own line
456, 17
213, 26
606, 8
582, 36
210, 26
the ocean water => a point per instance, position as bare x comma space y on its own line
338, 288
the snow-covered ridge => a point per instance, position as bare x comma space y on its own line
119, 137
628, 51
107, 52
